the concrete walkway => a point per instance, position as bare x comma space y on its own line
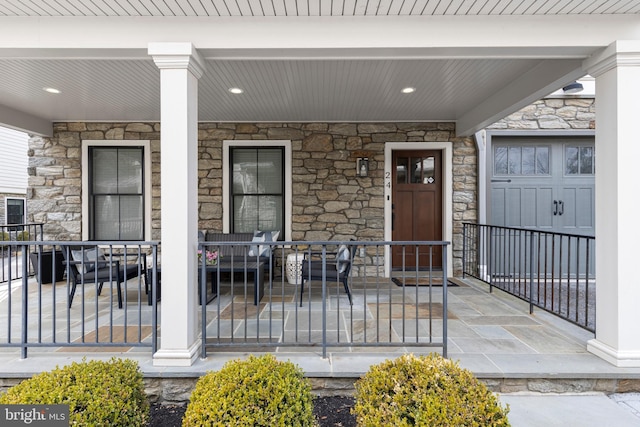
584, 410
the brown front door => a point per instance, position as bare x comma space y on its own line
417, 206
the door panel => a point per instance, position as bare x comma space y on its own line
417, 205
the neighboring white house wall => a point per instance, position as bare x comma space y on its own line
13, 161
13, 167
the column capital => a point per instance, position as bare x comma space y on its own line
177, 56
622, 53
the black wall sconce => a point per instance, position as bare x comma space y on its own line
362, 166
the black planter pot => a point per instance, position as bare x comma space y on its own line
47, 266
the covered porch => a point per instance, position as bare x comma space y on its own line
464, 66
491, 334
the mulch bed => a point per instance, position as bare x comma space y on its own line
334, 411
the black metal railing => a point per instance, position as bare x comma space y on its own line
10, 259
83, 295
551, 271
313, 294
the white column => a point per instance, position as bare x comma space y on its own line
180, 68
617, 74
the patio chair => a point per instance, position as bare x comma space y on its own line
86, 264
338, 267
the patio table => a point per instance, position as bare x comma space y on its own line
256, 268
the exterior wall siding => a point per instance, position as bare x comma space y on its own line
329, 201
13, 170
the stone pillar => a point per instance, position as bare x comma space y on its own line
180, 68
617, 74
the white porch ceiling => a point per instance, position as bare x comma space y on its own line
471, 61
312, 7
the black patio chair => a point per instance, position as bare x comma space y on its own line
85, 264
338, 268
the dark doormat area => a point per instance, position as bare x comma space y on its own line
422, 281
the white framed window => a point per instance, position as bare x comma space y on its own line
116, 190
256, 186
15, 209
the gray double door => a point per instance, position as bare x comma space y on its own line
543, 183
546, 184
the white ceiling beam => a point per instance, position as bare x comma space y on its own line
537, 83
228, 33
25, 122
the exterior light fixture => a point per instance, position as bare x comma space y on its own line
408, 90
236, 90
362, 167
51, 90
574, 87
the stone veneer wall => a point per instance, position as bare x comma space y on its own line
551, 114
55, 174
329, 201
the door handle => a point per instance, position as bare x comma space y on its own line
561, 203
555, 207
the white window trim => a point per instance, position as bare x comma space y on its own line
85, 179
226, 204
6, 208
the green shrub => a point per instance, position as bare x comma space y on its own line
260, 391
98, 393
22, 236
4, 237
425, 391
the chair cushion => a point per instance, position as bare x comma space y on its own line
125, 272
89, 256
263, 236
343, 258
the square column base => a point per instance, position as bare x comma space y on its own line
177, 357
621, 359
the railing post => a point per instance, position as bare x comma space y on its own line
202, 283
25, 302
444, 300
490, 257
465, 236
154, 298
324, 301
530, 272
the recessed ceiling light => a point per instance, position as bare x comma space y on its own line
408, 90
235, 90
51, 90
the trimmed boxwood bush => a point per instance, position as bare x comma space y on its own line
98, 393
425, 391
260, 391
